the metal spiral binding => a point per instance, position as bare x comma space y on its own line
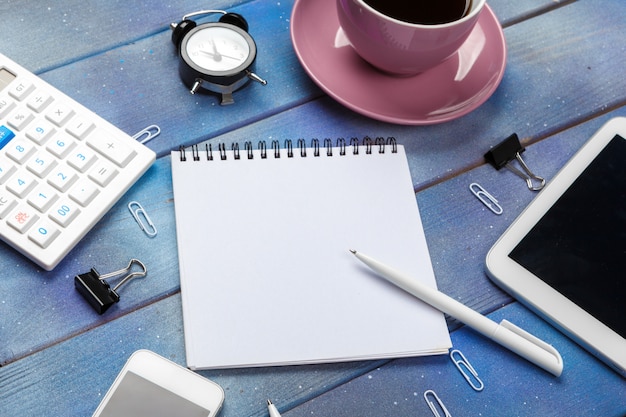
380, 143
276, 148
263, 149
289, 147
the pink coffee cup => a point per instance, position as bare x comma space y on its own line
399, 47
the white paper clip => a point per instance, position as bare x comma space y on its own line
432, 406
149, 132
487, 199
463, 365
138, 212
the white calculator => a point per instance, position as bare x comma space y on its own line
62, 167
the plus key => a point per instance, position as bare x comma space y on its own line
110, 147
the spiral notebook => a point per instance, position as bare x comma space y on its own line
266, 275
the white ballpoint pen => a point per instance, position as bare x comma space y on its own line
505, 333
272, 409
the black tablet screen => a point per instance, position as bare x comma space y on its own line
579, 246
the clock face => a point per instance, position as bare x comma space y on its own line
217, 48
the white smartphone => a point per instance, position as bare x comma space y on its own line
565, 255
152, 386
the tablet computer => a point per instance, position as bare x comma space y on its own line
565, 255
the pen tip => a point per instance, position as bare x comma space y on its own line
269, 402
353, 251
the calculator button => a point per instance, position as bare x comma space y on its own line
62, 177
19, 118
81, 158
39, 101
6, 135
7, 202
22, 218
111, 147
21, 183
41, 164
40, 131
79, 127
42, 197
21, 90
59, 113
43, 233
102, 173
60, 146
64, 212
20, 150
84, 192
6, 105
6, 169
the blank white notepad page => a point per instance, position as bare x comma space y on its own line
266, 273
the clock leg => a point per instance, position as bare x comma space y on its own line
227, 98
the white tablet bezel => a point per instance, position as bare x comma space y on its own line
172, 377
535, 293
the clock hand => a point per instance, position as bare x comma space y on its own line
220, 55
231, 57
216, 55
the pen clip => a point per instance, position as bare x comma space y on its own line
535, 350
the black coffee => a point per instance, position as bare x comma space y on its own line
425, 12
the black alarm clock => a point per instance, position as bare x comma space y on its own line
216, 56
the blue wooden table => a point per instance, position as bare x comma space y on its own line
564, 78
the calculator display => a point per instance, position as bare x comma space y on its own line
5, 78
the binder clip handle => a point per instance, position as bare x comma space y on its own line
128, 277
96, 290
501, 156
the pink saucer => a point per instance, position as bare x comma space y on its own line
452, 89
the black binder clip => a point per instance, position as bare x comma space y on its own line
509, 149
94, 288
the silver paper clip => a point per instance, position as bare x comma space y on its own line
487, 199
138, 212
463, 365
432, 406
149, 132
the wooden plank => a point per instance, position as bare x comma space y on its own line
512, 386
44, 36
142, 85
70, 378
510, 13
